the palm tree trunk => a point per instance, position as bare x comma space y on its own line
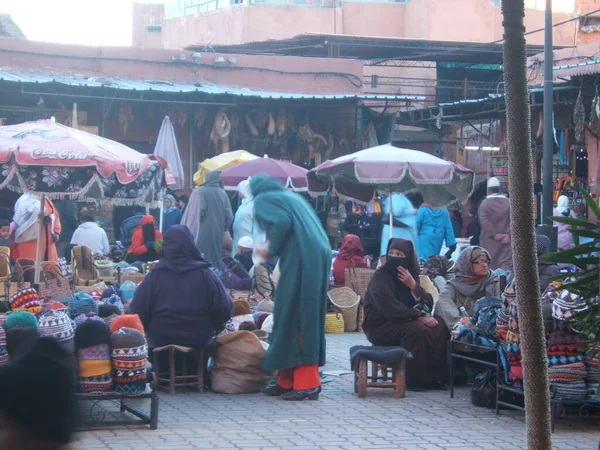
518, 140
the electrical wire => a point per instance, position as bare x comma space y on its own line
353, 79
478, 45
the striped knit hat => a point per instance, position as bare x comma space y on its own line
128, 321
26, 300
57, 325
129, 360
92, 342
82, 303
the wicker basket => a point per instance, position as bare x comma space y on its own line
429, 287
334, 323
358, 280
85, 272
346, 301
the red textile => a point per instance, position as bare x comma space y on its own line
137, 241
301, 378
350, 255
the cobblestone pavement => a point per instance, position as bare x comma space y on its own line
339, 420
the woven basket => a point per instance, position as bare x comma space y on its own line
358, 280
334, 323
346, 301
429, 287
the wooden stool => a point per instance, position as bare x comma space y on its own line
390, 375
171, 378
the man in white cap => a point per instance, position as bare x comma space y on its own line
494, 218
245, 248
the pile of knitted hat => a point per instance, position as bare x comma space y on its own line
26, 300
92, 342
129, 359
57, 325
507, 297
513, 350
566, 367
592, 365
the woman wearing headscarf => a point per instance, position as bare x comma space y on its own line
209, 216
474, 279
404, 221
143, 242
243, 222
294, 233
565, 238
26, 229
397, 314
350, 256
181, 302
171, 214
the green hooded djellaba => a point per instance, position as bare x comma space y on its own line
298, 239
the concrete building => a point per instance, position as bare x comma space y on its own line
181, 23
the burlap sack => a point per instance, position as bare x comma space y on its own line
238, 364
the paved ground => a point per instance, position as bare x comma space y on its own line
339, 420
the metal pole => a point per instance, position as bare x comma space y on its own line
548, 136
40, 242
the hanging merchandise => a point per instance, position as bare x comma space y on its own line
562, 155
594, 112
579, 119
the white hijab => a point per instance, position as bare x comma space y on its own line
244, 189
563, 204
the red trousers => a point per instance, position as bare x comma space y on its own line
301, 378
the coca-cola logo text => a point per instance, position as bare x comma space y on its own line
63, 155
132, 167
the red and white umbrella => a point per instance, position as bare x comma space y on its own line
63, 162
359, 175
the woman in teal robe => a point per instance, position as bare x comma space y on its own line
294, 234
404, 222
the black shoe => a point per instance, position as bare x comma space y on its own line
275, 390
311, 394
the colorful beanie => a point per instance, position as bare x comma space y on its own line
110, 291
92, 342
96, 295
57, 306
128, 290
106, 309
116, 301
129, 321
26, 300
57, 325
3, 349
82, 303
20, 319
129, 360
83, 317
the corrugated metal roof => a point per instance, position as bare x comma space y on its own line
180, 87
490, 97
583, 68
